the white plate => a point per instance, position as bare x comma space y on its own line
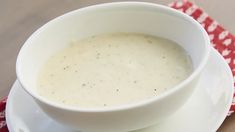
204, 111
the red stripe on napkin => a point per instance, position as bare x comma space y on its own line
3, 125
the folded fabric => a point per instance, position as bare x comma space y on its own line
3, 124
220, 38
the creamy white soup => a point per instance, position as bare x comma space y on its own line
113, 69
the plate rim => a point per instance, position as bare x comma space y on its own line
216, 127
229, 72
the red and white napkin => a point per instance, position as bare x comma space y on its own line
221, 39
3, 124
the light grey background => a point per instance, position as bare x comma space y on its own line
19, 18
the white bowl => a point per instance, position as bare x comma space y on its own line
137, 17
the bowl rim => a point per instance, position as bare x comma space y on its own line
137, 104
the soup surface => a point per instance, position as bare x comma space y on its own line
113, 69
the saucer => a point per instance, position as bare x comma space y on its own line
203, 112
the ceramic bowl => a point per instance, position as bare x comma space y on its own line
136, 17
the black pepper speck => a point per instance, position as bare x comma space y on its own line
66, 67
